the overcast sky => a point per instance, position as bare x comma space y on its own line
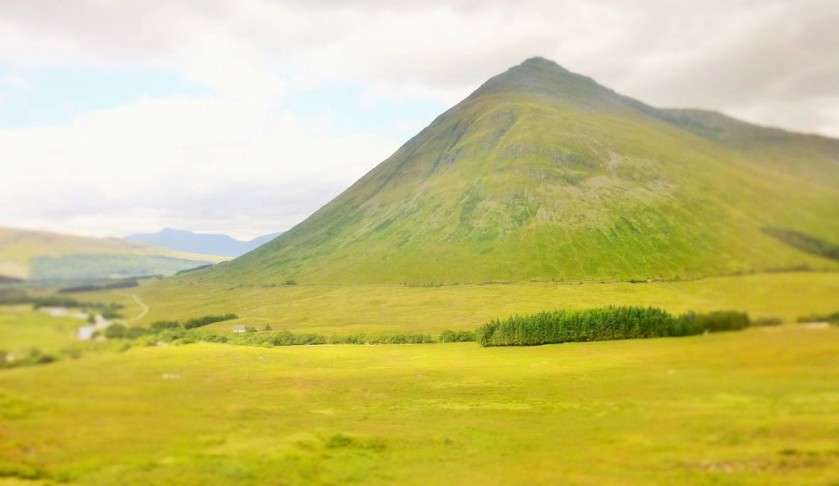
245, 116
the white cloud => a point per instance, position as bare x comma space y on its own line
200, 162
239, 160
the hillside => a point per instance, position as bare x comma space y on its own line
40, 255
543, 174
204, 243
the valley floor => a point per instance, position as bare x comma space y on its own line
752, 407
392, 309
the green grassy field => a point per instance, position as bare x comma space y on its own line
22, 329
383, 309
752, 407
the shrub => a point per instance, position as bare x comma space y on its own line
159, 326
385, 339
830, 318
718, 320
32, 356
449, 336
109, 311
169, 335
812, 318
115, 331
205, 320
197, 335
349, 339
768, 321
120, 331
133, 332
304, 339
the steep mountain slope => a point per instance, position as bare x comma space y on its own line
39, 255
204, 243
543, 174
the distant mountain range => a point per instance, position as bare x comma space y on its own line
43, 256
206, 243
545, 175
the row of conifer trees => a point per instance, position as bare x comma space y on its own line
603, 324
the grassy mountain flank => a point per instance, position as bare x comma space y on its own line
543, 174
40, 255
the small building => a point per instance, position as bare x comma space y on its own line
239, 328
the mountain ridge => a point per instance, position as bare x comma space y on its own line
543, 174
40, 255
204, 243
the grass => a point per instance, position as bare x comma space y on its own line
755, 407
22, 329
394, 309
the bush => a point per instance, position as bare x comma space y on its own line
718, 321
812, 318
109, 311
115, 331
404, 339
32, 356
391, 339
831, 318
202, 336
449, 336
205, 320
120, 331
768, 321
304, 339
169, 335
133, 332
159, 326
349, 339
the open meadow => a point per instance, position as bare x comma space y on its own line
753, 407
387, 309
758, 406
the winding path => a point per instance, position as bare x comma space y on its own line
142, 313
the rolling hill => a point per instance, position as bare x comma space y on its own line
40, 256
204, 243
542, 174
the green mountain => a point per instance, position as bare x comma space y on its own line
543, 174
44, 256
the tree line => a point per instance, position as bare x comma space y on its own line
603, 324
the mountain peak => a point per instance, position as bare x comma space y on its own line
544, 174
545, 79
541, 63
